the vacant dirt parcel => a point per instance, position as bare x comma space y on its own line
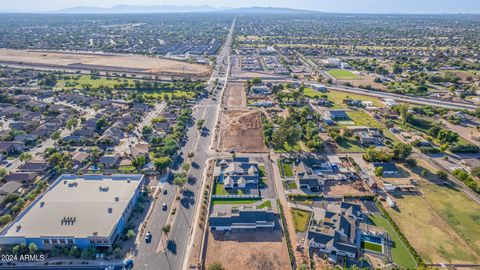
120, 63
248, 250
242, 132
235, 96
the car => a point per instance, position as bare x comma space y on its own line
148, 237
165, 191
128, 263
164, 206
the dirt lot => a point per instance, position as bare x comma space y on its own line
242, 132
235, 96
97, 61
363, 80
248, 250
347, 188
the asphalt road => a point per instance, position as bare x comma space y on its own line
198, 141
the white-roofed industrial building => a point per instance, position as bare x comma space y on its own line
81, 210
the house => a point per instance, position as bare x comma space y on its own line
334, 115
313, 184
110, 161
139, 150
239, 172
389, 169
336, 229
21, 177
79, 158
38, 166
11, 147
366, 138
390, 102
353, 102
319, 87
243, 218
470, 164
261, 90
8, 188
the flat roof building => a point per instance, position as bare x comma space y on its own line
81, 210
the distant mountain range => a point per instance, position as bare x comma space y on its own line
176, 9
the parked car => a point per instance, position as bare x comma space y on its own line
148, 237
164, 206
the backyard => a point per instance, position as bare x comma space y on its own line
400, 254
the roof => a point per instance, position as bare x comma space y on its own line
33, 166
242, 216
86, 199
311, 182
10, 187
387, 167
21, 176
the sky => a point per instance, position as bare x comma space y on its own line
362, 6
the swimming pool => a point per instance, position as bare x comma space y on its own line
371, 239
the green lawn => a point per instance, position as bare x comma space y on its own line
287, 168
400, 254
341, 74
350, 146
234, 201
300, 219
265, 204
372, 246
337, 98
93, 82
220, 190
361, 118
292, 185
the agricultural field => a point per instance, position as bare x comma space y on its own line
341, 74
400, 254
442, 225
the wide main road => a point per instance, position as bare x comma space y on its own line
153, 255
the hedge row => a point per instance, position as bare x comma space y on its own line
416, 256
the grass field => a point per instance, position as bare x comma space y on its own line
300, 219
350, 146
341, 74
287, 168
78, 81
265, 204
443, 225
361, 118
400, 254
337, 97
234, 201
372, 246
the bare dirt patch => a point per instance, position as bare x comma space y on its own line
125, 62
248, 250
235, 96
242, 132
345, 188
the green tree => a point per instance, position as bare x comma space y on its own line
74, 252
162, 163
3, 173
180, 179
130, 234
200, 123
166, 228
379, 171
5, 219
32, 248
185, 167
401, 151
25, 157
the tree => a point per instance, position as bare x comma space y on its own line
88, 253
32, 247
216, 266
139, 162
379, 171
403, 110
162, 163
401, 151
200, 123
5, 219
25, 157
118, 253
442, 175
74, 252
166, 228
3, 173
130, 234
56, 135
147, 130
185, 167
180, 180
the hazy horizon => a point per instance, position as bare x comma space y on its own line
345, 6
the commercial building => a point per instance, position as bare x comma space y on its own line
80, 210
